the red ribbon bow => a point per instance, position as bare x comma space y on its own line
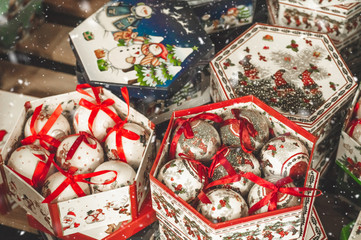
354, 167
246, 130
41, 171
96, 90
186, 129
271, 198
73, 180
82, 137
219, 159
120, 131
352, 125
97, 106
42, 134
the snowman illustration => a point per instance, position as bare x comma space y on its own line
69, 220
95, 216
230, 18
125, 57
121, 16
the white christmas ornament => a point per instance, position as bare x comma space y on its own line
284, 155
125, 176
29, 160
257, 193
226, 205
133, 150
59, 130
184, 178
87, 153
54, 181
101, 123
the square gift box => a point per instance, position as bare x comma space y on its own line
185, 220
151, 48
82, 213
340, 22
298, 73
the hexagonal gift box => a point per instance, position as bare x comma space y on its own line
187, 223
78, 214
298, 73
340, 22
152, 48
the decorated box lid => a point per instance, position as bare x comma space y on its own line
344, 8
225, 14
151, 48
298, 73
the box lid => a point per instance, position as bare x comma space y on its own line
298, 73
343, 9
150, 46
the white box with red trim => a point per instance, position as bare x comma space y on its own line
188, 223
340, 22
298, 73
91, 211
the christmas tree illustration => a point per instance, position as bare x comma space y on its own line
152, 75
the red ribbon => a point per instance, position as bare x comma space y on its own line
41, 171
271, 198
186, 129
352, 125
82, 137
120, 131
96, 90
42, 134
2, 134
73, 180
354, 167
97, 106
200, 168
220, 159
246, 130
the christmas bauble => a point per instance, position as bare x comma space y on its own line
226, 205
82, 151
30, 161
185, 178
101, 123
133, 150
238, 122
203, 145
125, 176
355, 132
241, 162
59, 130
53, 182
257, 193
284, 155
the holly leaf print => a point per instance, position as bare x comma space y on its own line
293, 46
227, 63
